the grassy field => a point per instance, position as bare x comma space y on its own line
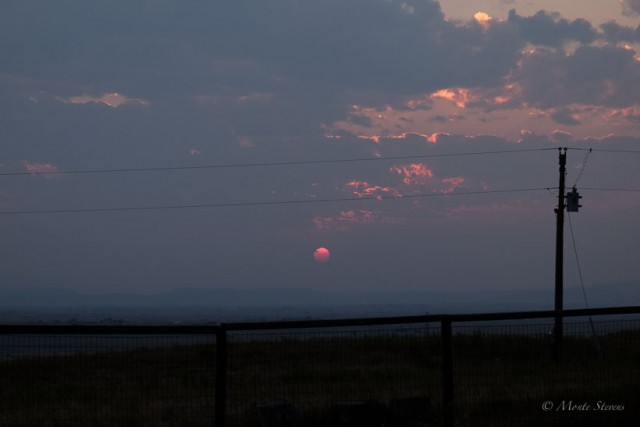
499, 380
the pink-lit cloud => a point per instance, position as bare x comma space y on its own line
365, 189
390, 136
568, 75
506, 95
413, 173
348, 219
373, 138
330, 135
459, 96
44, 169
422, 102
6, 199
562, 137
416, 175
452, 183
344, 219
631, 114
433, 138
112, 99
604, 204
483, 19
245, 142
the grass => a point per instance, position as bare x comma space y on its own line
499, 380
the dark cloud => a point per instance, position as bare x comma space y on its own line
562, 137
152, 49
371, 52
565, 116
592, 75
550, 29
222, 72
631, 7
616, 33
439, 118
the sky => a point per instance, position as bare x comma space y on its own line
221, 143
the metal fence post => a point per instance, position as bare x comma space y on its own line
221, 377
447, 374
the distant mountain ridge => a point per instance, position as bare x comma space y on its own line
602, 295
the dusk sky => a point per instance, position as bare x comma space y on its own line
417, 140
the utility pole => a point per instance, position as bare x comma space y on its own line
558, 330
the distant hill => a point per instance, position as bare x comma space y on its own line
602, 295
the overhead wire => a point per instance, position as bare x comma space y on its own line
603, 150
266, 203
298, 162
577, 258
608, 150
290, 163
575, 251
267, 164
584, 165
629, 190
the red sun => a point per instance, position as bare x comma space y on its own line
322, 255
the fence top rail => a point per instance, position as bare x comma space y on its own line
303, 324
110, 329
427, 318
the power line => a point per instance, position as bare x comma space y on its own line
584, 165
630, 190
291, 202
267, 164
601, 150
270, 203
298, 162
575, 251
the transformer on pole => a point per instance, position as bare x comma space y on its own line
573, 200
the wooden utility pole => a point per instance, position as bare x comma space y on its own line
558, 330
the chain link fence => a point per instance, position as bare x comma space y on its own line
328, 377
506, 376
354, 373
106, 380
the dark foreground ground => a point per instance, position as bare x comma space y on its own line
376, 379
